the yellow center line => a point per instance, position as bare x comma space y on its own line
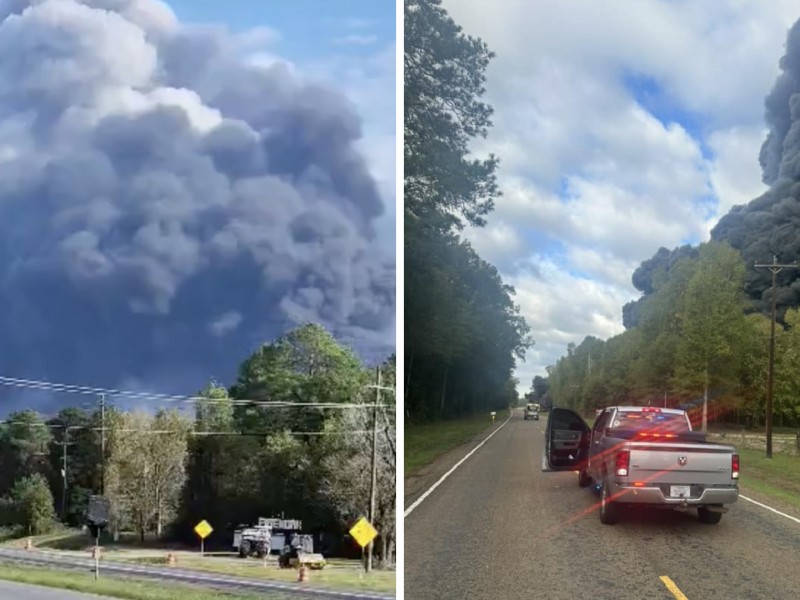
672, 588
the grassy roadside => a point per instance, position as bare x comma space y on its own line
128, 589
339, 574
331, 577
778, 477
425, 443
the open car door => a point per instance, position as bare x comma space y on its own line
566, 440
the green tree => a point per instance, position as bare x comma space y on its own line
307, 365
443, 81
34, 504
712, 322
24, 439
146, 469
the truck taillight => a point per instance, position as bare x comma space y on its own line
735, 466
621, 463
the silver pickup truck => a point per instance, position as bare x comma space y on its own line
643, 455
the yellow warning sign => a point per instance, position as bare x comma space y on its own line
363, 532
203, 529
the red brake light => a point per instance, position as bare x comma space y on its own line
621, 463
638, 484
651, 409
735, 466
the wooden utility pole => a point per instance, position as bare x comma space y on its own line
102, 444
775, 268
64, 443
374, 483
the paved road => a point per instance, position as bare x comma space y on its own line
16, 591
499, 527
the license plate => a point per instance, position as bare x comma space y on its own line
680, 491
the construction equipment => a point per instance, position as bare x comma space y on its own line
267, 537
299, 553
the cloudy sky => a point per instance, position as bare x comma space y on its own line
621, 127
181, 182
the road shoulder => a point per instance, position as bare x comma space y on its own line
416, 484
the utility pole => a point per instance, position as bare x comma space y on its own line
102, 444
374, 483
775, 268
64, 443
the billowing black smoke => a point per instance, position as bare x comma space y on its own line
770, 224
165, 206
662, 261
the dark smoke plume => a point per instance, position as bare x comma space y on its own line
770, 224
165, 206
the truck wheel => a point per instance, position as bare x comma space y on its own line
708, 516
584, 479
244, 549
608, 508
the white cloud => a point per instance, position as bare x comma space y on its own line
356, 39
735, 172
595, 182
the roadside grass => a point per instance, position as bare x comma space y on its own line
428, 441
778, 477
126, 588
336, 575
339, 573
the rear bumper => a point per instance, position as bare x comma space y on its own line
655, 495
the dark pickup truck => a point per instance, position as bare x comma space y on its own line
643, 455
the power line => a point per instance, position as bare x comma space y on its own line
189, 432
95, 391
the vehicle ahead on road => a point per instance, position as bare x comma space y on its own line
532, 411
643, 455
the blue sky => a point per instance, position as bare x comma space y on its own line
620, 128
308, 28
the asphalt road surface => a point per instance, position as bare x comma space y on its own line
18, 591
499, 527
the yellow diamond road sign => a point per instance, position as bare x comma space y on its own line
363, 532
203, 529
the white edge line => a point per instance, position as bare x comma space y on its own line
795, 519
428, 492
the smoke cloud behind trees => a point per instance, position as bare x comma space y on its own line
167, 205
770, 225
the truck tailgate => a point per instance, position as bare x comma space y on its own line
680, 463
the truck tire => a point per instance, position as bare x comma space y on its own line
708, 517
608, 508
244, 549
584, 479
261, 550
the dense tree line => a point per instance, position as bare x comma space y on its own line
230, 459
463, 332
698, 342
